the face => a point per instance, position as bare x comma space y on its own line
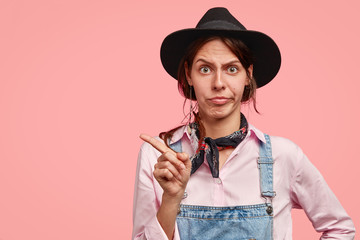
218, 79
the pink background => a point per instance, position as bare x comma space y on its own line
80, 80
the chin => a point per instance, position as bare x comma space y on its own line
219, 115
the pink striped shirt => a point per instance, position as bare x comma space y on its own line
298, 184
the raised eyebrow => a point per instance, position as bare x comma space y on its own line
226, 64
232, 62
203, 60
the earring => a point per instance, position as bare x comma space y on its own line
191, 106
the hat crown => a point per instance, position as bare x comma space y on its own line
219, 18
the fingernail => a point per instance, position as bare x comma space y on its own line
182, 166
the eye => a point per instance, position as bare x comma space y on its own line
204, 70
232, 69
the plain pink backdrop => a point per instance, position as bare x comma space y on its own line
80, 80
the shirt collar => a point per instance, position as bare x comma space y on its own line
254, 131
179, 134
183, 132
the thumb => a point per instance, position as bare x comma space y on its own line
184, 157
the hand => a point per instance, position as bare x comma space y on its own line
172, 170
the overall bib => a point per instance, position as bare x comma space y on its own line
236, 222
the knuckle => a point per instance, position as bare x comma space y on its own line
162, 158
156, 166
167, 164
172, 157
180, 165
169, 175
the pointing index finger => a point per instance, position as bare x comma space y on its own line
156, 143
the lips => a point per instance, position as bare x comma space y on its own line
219, 100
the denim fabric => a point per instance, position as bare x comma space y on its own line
229, 223
176, 146
226, 223
265, 164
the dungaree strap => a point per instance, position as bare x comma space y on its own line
265, 165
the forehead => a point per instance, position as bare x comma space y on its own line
215, 50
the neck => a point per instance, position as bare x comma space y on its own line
216, 128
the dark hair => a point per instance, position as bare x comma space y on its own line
239, 49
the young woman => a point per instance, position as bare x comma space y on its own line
219, 177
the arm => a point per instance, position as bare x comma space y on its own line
154, 219
168, 210
311, 193
146, 202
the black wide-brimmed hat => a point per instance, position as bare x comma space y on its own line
220, 22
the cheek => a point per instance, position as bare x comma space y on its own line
200, 88
237, 89
199, 94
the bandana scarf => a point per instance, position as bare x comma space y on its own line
210, 147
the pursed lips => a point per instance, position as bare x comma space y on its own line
219, 100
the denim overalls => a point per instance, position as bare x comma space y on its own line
238, 222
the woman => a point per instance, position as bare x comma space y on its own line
219, 177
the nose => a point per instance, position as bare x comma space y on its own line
218, 83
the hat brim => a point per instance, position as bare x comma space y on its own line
267, 58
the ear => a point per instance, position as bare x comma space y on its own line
187, 73
250, 70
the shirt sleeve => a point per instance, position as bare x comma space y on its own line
311, 193
146, 203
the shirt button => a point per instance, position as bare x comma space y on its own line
218, 180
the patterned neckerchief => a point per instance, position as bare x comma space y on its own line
209, 148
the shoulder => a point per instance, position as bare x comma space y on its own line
179, 134
283, 149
